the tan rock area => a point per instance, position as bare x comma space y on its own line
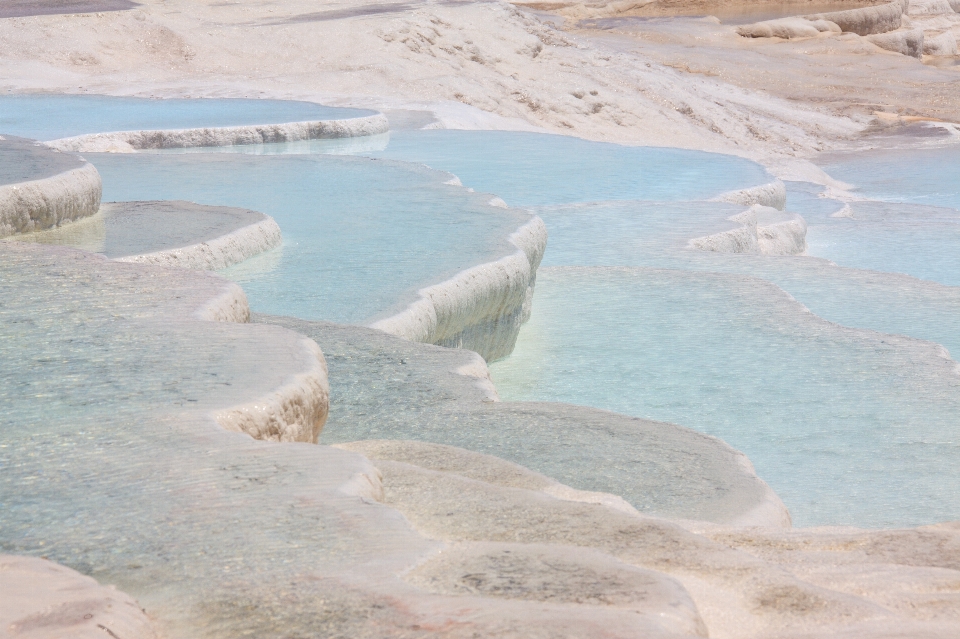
473, 64
508, 539
43, 600
597, 74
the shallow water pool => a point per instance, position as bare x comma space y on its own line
849, 427
361, 236
910, 224
50, 117
533, 169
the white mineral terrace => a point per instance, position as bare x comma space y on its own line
175, 465
129, 141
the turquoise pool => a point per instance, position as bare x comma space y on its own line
50, 117
361, 236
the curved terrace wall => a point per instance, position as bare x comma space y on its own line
867, 20
53, 193
219, 253
224, 136
481, 308
864, 21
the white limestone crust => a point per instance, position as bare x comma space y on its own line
295, 412
218, 253
763, 231
788, 28
867, 20
481, 308
863, 21
944, 44
131, 141
48, 202
229, 305
908, 42
773, 195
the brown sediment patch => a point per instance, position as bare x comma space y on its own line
24, 8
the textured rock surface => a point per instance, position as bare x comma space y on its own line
867, 20
788, 28
929, 7
40, 188
492, 58
511, 540
943, 44
42, 600
907, 42
115, 465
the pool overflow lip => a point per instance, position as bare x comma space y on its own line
433, 325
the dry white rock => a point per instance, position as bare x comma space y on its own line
907, 42
788, 28
867, 20
944, 44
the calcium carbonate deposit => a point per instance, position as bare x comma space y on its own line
479, 319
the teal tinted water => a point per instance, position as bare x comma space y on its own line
532, 169
49, 117
361, 236
849, 427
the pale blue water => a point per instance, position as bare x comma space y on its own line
361, 236
534, 169
922, 241
49, 117
655, 234
929, 176
894, 236
847, 427
822, 457
531, 170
